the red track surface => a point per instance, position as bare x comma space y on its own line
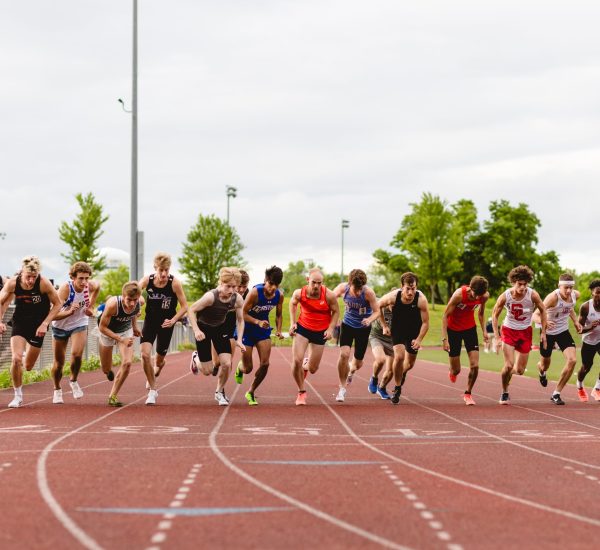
429, 473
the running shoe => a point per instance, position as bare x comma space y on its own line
504, 399
193, 364
221, 399
396, 396
596, 394
239, 375
151, 399
341, 395
57, 398
382, 392
582, 394
373, 385
77, 391
543, 380
16, 402
556, 399
468, 399
301, 399
114, 402
251, 399
110, 375
452, 376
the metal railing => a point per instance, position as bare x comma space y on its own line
181, 335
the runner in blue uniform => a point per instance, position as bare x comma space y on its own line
261, 300
361, 309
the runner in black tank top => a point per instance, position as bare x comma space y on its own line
410, 323
36, 304
164, 291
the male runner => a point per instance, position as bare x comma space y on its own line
207, 318
382, 347
410, 323
261, 300
361, 309
560, 306
71, 323
589, 319
319, 312
519, 302
118, 327
36, 304
164, 291
458, 326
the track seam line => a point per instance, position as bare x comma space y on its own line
289, 499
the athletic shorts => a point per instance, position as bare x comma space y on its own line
519, 339
563, 339
313, 336
457, 337
360, 337
27, 330
215, 335
588, 351
254, 334
378, 340
407, 345
109, 342
405, 338
61, 334
152, 330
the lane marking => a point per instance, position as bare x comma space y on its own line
287, 498
314, 462
164, 525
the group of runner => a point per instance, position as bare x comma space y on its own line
232, 316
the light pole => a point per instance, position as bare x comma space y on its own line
135, 243
345, 225
231, 193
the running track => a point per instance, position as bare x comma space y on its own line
429, 473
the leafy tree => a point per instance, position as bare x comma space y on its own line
583, 282
387, 270
464, 227
211, 244
82, 234
294, 276
112, 283
427, 236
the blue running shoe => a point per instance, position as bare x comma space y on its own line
373, 385
383, 393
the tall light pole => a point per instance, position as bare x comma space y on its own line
345, 225
231, 193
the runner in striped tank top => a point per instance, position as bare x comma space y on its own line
79, 297
519, 302
560, 307
589, 319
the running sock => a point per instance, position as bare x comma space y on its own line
597, 386
467, 392
301, 391
19, 391
555, 393
579, 384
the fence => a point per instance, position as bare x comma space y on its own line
181, 335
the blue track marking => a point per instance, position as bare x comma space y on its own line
183, 511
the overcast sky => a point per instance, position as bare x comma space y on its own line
316, 110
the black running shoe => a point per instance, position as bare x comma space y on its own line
396, 396
543, 380
110, 375
556, 399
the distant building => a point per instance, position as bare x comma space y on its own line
115, 257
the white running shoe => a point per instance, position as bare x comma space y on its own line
77, 391
57, 397
16, 402
151, 399
341, 395
221, 399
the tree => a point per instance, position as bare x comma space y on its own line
294, 276
387, 270
211, 244
465, 226
83, 233
427, 236
112, 283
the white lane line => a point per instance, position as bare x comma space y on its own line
166, 523
289, 499
463, 483
580, 473
42, 480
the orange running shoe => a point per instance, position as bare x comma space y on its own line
452, 376
596, 394
468, 399
301, 399
583, 396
